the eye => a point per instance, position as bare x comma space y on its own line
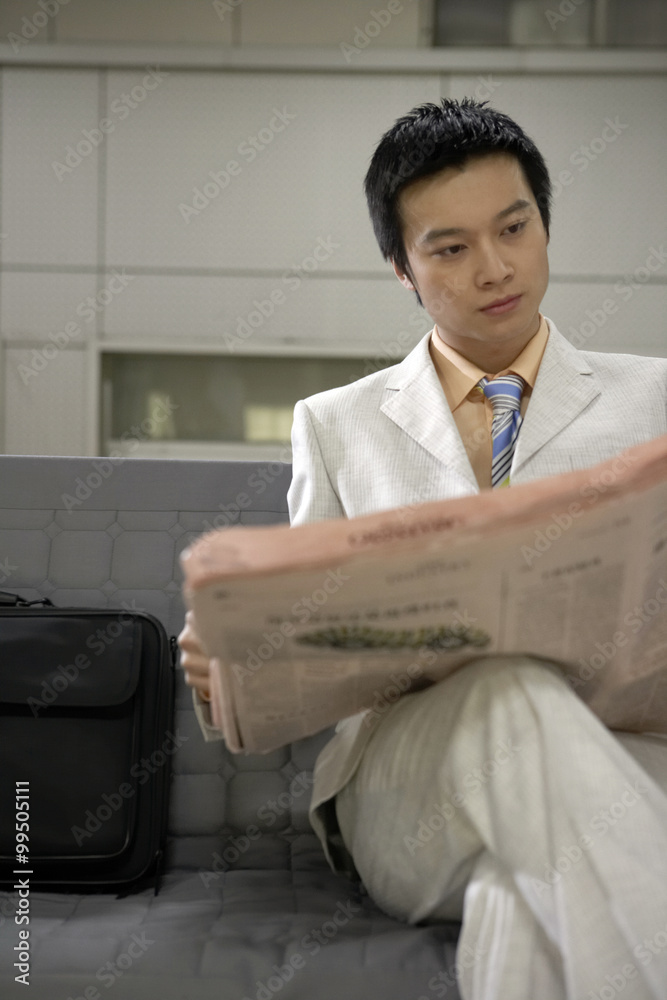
453, 251
516, 227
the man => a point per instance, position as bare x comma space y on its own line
559, 898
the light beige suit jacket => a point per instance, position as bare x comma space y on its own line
390, 440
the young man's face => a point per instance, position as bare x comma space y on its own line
474, 237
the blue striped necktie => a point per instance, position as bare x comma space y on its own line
504, 392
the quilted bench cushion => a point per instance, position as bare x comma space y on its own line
249, 909
70, 534
246, 934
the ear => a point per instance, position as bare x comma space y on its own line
402, 276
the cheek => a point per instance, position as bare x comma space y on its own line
544, 271
449, 308
540, 259
443, 299
450, 295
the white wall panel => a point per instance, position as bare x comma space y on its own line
236, 312
45, 413
34, 305
613, 205
624, 317
302, 22
300, 191
49, 215
296, 181
145, 21
17, 26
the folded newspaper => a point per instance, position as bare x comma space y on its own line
308, 625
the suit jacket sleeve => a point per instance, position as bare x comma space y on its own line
311, 496
203, 714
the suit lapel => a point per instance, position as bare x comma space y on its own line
417, 404
564, 387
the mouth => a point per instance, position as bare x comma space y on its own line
501, 305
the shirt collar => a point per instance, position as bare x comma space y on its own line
460, 376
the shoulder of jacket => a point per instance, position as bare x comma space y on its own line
624, 363
343, 396
609, 362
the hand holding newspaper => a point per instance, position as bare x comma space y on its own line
311, 624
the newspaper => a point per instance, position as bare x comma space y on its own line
312, 624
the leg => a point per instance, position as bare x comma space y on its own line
503, 951
502, 758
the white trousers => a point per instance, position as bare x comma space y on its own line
498, 798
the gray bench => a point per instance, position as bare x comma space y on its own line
248, 907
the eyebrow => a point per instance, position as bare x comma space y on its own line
438, 234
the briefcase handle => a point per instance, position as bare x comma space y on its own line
8, 600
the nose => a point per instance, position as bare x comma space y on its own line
493, 268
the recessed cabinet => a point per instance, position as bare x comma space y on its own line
211, 406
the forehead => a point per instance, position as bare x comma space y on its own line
468, 196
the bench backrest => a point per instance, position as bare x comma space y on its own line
98, 532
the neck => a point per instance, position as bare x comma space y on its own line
489, 360
490, 357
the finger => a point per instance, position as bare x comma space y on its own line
189, 640
197, 663
196, 669
201, 687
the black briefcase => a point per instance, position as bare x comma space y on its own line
86, 717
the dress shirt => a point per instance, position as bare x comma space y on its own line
472, 411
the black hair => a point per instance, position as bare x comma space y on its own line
432, 137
